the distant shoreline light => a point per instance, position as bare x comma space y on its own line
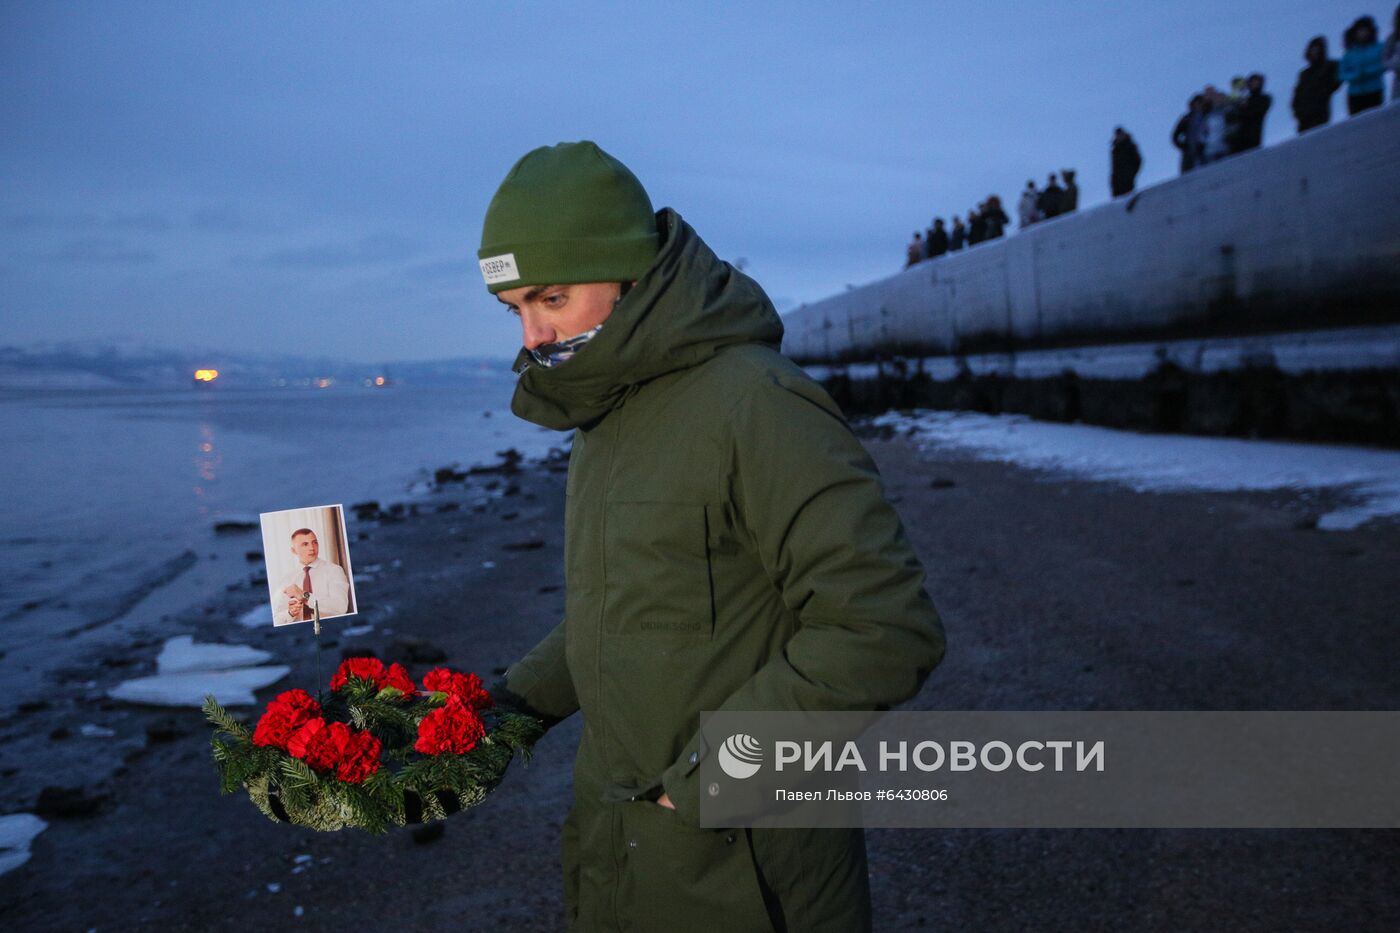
206, 375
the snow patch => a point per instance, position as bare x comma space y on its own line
1168, 462
257, 617
231, 688
17, 831
187, 672
181, 654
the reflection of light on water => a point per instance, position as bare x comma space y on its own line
207, 461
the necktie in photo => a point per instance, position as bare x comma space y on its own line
306, 588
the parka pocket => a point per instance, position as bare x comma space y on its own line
679, 877
657, 570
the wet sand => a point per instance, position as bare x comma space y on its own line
1056, 595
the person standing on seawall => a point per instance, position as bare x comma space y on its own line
1052, 198
914, 252
1124, 162
1215, 127
994, 218
976, 225
1071, 198
1363, 66
1250, 112
1027, 208
1391, 54
1312, 95
936, 243
727, 546
1189, 133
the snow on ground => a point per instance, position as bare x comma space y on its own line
17, 830
258, 616
230, 688
1168, 462
186, 672
181, 654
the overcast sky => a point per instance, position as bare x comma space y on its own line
311, 178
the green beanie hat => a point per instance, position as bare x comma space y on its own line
567, 214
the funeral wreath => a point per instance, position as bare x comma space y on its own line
378, 751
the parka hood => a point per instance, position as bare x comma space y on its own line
688, 305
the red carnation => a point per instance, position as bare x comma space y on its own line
453, 728
398, 678
365, 668
361, 758
284, 716
465, 686
319, 743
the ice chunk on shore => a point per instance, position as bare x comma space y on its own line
17, 831
231, 688
257, 617
181, 654
187, 672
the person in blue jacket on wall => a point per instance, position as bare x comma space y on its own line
1363, 66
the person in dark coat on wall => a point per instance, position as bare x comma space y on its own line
976, 225
1189, 133
937, 240
958, 238
1312, 95
1071, 203
1125, 160
1250, 113
994, 218
1052, 199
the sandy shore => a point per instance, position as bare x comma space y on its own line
1055, 595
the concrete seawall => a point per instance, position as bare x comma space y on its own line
1302, 236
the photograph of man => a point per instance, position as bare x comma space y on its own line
310, 558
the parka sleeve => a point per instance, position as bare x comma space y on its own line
812, 501
540, 683
1348, 69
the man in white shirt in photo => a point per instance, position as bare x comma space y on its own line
325, 581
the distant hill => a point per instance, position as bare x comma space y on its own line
93, 364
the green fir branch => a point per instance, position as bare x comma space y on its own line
223, 720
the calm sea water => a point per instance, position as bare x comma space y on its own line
100, 486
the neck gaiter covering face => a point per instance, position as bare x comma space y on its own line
550, 355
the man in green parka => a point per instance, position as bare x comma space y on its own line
728, 546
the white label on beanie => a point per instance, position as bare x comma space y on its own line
499, 269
